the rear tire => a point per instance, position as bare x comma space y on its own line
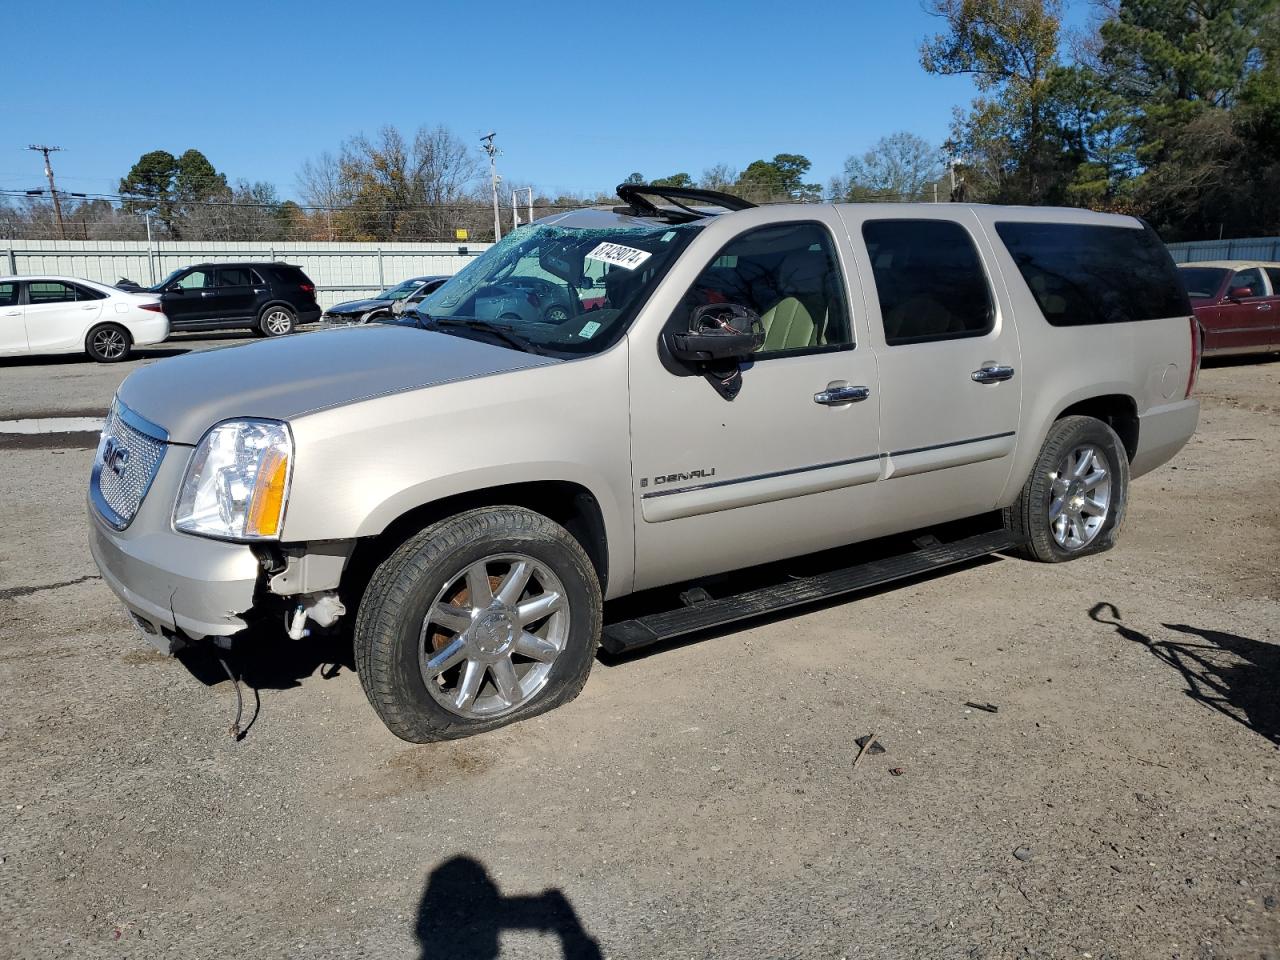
1074, 501
277, 321
108, 343
521, 648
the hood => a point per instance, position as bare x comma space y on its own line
289, 376
359, 306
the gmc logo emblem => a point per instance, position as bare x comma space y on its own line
114, 456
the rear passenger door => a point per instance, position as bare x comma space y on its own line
1273, 315
948, 354
233, 293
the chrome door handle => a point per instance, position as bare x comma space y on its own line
992, 373
837, 393
206, 293
1264, 306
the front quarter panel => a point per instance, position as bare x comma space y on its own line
360, 466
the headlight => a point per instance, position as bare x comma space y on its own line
237, 482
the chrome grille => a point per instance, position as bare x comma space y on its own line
129, 455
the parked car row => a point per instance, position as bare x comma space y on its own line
54, 314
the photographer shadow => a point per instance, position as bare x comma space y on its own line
462, 914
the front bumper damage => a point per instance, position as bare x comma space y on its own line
180, 587
174, 583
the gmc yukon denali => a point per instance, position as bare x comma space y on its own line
726, 386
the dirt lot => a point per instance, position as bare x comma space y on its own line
699, 801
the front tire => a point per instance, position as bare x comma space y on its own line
480, 620
276, 321
1073, 503
109, 343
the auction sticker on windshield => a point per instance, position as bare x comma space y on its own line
618, 255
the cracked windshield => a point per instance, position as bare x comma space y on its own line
560, 290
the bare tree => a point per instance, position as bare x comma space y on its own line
387, 187
320, 185
720, 177
900, 166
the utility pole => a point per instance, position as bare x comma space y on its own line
492, 150
53, 190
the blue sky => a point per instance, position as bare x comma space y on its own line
580, 94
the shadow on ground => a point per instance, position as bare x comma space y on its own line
462, 914
60, 359
1234, 675
1239, 360
265, 658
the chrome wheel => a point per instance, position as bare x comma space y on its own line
491, 635
110, 344
556, 314
1079, 497
277, 323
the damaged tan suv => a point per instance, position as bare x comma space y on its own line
613, 400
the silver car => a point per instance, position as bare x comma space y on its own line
731, 386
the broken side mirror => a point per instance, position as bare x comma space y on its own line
718, 332
721, 336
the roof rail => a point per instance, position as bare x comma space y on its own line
636, 196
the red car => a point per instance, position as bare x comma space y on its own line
1237, 304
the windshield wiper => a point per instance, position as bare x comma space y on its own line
483, 326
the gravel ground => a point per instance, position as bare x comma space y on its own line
699, 801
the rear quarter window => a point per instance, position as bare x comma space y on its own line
1087, 273
290, 275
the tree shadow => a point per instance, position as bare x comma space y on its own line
462, 913
1237, 676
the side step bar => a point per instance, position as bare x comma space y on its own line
631, 634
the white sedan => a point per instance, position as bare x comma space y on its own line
68, 315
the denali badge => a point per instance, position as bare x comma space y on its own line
114, 456
703, 474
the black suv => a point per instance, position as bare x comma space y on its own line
270, 298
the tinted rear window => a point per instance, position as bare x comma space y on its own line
1084, 273
290, 274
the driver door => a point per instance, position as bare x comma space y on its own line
1244, 316
188, 299
789, 465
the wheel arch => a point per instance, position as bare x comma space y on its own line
97, 324
569, 504
1119, 411
277, 302
1108, 402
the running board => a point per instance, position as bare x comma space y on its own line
701, 615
